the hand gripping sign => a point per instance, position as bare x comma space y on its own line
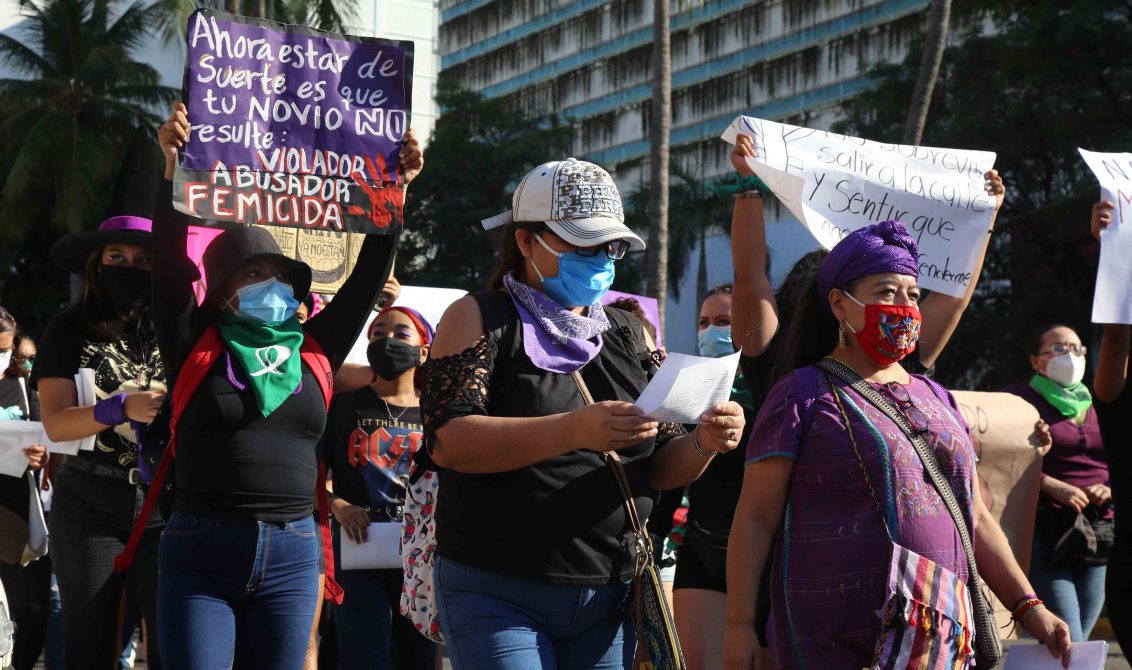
1112, 302
836, 184
292, 126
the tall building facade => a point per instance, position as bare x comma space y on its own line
590, 61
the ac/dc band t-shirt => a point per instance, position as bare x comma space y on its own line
370, 446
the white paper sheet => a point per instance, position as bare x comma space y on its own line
1083, 656
835, 184
430, 302
84, 387
381, 550
14, 436
1112, 301
687, 386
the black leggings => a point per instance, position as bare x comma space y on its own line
29, 599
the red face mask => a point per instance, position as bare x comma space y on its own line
890, 332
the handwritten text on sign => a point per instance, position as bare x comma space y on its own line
293, 127
1112, 301
835, 184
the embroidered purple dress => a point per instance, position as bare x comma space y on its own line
831, 559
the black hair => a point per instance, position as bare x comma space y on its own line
632, 306
720, 289
8, 325
1038, 334
510, 258
308, 300
812, 332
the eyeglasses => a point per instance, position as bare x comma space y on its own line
615, 249
1062, 348
908, 408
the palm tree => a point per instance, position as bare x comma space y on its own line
660, 120
939, 19
63, 126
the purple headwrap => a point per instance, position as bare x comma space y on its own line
135, 223
875, 249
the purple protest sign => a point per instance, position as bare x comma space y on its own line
292, 126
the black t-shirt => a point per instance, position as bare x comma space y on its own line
370, 447
14, 490
231, 460
1116, 434
561, 520
127, 364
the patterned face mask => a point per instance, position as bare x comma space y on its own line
890, 332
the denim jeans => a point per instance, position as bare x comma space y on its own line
236, 591
91, 519
1074, 591
495, 622
372, 634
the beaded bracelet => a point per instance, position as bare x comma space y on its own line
1019, 612
1022, 601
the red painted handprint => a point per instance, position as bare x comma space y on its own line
386, 199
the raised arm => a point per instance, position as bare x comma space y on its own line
173, 271
336, 326
754, 313
1112, 366
941, 313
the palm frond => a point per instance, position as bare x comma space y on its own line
22, 59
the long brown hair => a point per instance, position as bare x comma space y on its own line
510, 258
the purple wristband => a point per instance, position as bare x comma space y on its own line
111, 411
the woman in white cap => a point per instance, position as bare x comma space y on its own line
534, 544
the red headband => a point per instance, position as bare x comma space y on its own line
419, 322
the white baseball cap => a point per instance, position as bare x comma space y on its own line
577, 200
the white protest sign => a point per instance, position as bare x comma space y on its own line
430, 302
1112, 302
836, 184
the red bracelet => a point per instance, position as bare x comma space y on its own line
1020, 612
1021, 601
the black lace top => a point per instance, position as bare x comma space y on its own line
561, 520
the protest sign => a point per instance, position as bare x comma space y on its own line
836, 184
429, 301
331, 255
292, 126
1009, 469
1112, 302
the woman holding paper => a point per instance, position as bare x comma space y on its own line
106, 343
371, 436
28, 587
834, 469
534, 541
247, 441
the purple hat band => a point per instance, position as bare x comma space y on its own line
875, 249
121, 223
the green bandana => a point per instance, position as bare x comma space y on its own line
1071, 401
268, 353
741, 393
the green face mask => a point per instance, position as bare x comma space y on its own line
268, 353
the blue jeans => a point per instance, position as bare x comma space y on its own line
495, 622
235, 590
1074, 591
372, 634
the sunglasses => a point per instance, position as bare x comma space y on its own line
1062, 348
908, 408
615, 249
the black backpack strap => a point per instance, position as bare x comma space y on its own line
632, 333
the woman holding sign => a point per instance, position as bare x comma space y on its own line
247, 440
536, 549
871, 564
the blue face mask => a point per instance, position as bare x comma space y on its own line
270, 301
581, 280
715, 342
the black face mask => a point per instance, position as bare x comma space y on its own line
126, 287
391, 358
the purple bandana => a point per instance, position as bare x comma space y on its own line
882, 247
554, 338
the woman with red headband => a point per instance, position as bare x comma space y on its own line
371, 435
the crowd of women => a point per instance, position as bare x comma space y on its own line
815, 536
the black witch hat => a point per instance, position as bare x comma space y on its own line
129, 217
